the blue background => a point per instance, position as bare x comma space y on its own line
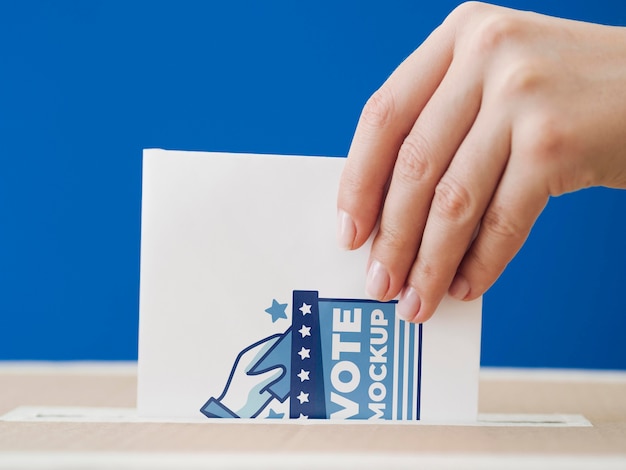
84, 86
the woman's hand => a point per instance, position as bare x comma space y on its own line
458, 152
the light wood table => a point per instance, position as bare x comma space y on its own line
599, 397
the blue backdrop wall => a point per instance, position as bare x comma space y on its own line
84, 86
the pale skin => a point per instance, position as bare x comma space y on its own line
458, 152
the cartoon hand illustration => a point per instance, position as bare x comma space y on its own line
257, 369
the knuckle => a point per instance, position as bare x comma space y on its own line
467, 9
495, 31
453, 200
353, 183
496, 221
392, 239
413, 163
547, 137
359, 196
379, 110
523, 78
545, 143
428, 271
552, 144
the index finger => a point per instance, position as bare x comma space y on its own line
385, 121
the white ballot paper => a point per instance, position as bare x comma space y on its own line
248, 308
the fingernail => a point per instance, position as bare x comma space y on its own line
377, 283
460, 287
346, 230
408, 304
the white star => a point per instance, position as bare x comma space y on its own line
304, 353
303, 397
305, 308
303, 416
305, 331
304, 375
